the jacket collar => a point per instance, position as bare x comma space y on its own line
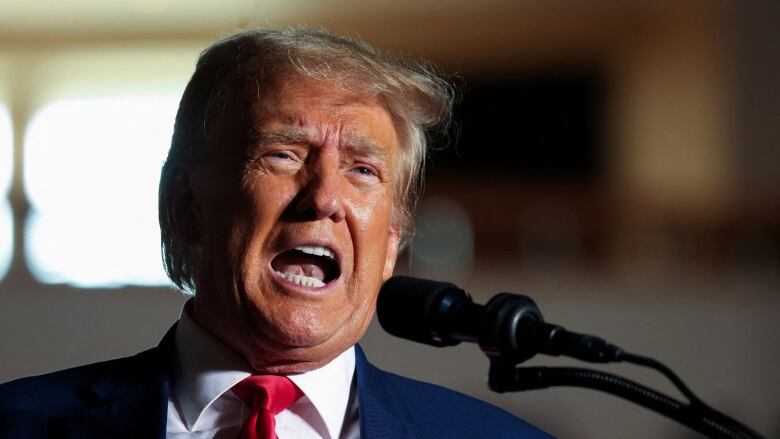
130, 399
134, 402
383, 410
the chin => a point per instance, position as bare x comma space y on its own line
294, 353
309, 345
292, 328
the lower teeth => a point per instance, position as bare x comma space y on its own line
302, 280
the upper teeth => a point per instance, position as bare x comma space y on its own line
316, 250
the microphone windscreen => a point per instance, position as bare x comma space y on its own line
414, 309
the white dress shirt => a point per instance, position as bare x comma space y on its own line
201, 404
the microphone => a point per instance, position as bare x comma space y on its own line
509, 327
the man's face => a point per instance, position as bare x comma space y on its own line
296, 226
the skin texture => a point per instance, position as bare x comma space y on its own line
315, 166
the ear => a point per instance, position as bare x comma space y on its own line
183, 214
393, 241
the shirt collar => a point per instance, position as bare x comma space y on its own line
328, 389
206, 368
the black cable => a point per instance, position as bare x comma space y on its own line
657, 365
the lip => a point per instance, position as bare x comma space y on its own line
309, 290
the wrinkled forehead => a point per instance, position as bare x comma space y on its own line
318, 111
271, 99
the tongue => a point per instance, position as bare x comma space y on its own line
298, 263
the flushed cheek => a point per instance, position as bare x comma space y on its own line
362, 214
258, 219
371, 224
372, 213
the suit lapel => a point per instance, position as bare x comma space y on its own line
382, 411
134, 402
130, 403
120, 418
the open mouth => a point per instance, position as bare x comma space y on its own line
307, 265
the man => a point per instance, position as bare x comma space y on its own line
287, 192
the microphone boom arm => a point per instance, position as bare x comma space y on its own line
696, 415
510, 329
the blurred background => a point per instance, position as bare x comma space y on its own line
617, 161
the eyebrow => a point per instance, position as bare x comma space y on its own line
362, 146
286, 135
353, 144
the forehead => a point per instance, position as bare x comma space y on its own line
324, 112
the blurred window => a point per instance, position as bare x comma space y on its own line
91, 173
538, 127
6, 169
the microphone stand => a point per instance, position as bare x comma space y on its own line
517, 332
510, 329
505, 377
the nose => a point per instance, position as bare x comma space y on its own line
322, 196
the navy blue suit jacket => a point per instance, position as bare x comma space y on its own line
128, 397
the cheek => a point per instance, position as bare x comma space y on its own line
374, 219
242, 228
263, 203
372, 232
362, 213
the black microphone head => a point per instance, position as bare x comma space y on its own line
415, 309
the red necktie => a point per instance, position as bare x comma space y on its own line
267, 395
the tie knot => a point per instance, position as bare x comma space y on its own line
271, 393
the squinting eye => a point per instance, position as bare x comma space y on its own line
280, 155
364, 170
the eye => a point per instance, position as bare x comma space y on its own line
280, 155
283, 159
283, 156
365, 170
